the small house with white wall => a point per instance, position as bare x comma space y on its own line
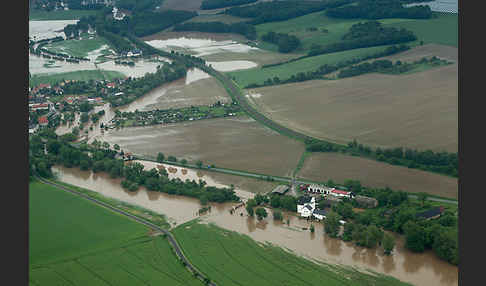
318, 189
319, 214
306, 206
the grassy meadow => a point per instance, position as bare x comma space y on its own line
284, 71
39, 15
229, 258
74, 242
77, 48
85, 75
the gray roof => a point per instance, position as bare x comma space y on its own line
281, 189
319, 212
305, 199
308, 207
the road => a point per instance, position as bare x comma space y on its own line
292, 181
169, 235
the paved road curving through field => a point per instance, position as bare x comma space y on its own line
170, 237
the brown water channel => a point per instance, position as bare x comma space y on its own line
418, 269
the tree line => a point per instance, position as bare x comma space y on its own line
428, 160
282, 10
215, 4
102, 159
285, 42
380, 9
386, 66
363, 35
327, 68
241, 28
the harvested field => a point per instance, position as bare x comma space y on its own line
339, 167
236, 143
416, 110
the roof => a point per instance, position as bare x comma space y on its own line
305, 199
43, 119
281, 189
308, 207
431, 213
340, 192
319, 212
110, 84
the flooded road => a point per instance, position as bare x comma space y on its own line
419, 269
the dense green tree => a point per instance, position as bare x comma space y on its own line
414, 236
160, 157
277, 215
250, 204
261, 213
332, 224
388, 243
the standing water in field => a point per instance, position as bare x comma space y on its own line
416, 268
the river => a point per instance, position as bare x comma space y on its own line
416, 268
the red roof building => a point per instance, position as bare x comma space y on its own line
339, 193
110, 85
43, 120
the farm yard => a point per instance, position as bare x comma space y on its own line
230, 258
338, 167
237, 143
79, 243
423, 104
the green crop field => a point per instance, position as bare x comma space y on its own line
74, 242
77, 48
299, 26
85, 75
229, 258
441, 30
38, 15
259, 75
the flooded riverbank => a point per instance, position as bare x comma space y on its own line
419, 269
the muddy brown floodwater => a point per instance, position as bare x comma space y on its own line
416, 268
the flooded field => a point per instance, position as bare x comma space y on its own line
200, 47
338, 167
39, 30
181, 93
236, 143
232, 65
420, 269
447, 6
418, 110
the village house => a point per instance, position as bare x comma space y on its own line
320, 189
340, 193
43, 121
111, 85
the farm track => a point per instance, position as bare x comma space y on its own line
169, 235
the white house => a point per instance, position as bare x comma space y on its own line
306, 206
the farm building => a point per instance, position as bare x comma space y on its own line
43, 121
281, 189
319, 214
366, 202
340, 193
320, 189
432, 213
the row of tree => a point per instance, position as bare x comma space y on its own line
328, 68
380, 9
102, 159
363, 35
285, 42
215, 4
241, 28
272, 11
